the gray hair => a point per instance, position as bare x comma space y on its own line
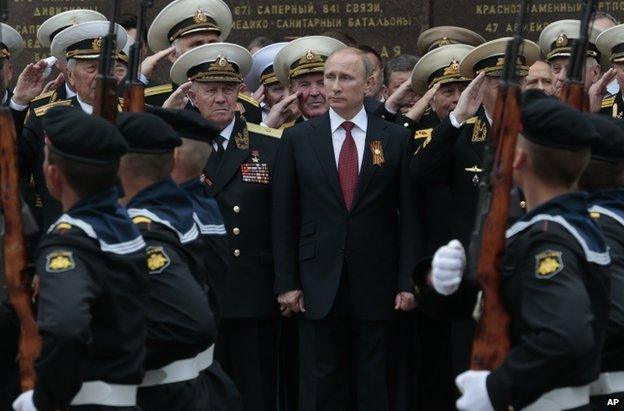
71, 64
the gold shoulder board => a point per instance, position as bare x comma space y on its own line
43, 95
40, 111
425, 133
249, 99
163, 88
472, 120
608, 102
265, 131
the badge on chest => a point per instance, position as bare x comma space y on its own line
255, 171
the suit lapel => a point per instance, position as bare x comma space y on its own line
367, 170
232, 159
321, 141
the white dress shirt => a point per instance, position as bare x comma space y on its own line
69, 92
358, 132
87, 108
226, 133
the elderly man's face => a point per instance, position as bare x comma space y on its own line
190, 41
540, 77
311, 91
446, 98
120, 71
82, 78
216, 101
560, 66
274, 93
345, 82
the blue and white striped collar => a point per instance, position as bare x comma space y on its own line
206, 210
570, 212
609, 203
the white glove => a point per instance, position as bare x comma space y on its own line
447, 267
25, 402
50, 62
474, 391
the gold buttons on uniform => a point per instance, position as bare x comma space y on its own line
405, 125
236, 209
236, 231
523, 204
236, 253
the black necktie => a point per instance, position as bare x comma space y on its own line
220, 150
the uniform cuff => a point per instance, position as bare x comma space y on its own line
17, 107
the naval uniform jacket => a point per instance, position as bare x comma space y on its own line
452, 157
92, 298
242, 184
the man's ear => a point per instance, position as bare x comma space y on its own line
70, 78
385, 92
520, 158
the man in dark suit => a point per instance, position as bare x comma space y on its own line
238, 175
345, 238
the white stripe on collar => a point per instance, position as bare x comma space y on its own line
209, 228
601, 210
592, 256
187, 237
126, 247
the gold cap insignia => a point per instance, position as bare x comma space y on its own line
444, 42
97, 44
60, 261
562, 40
309, 56
452, 69
200, 17
157, 260
548, 264
222, 62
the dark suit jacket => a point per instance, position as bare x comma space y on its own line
316, 240
246, 210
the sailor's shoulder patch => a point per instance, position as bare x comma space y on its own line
157, 259
59, 261
265, 131
248, 99
154, 90
40, 111
548, 264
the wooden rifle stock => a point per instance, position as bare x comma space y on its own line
134, 98
491, 343
105, 104
573, 93
15, 259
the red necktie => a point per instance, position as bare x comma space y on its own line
348, 165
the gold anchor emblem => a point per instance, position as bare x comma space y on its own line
222, 62
309, 56
562, 40
97, 44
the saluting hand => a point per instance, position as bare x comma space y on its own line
150, 62
393, 103
470, 99
598, 90
282, 111
60, 79
258, 95
416, 112
179, 98
30, 83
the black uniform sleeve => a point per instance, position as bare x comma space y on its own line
66, 294
432, 163
285, 218
411, 230
556, 308
30, 144
382, 112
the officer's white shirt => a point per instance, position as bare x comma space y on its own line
226, 133
613, 87
69, 92
358, 132
87, 108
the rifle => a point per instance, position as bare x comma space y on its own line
491, 342
105, 103
573, 90
15, 260
134, 92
